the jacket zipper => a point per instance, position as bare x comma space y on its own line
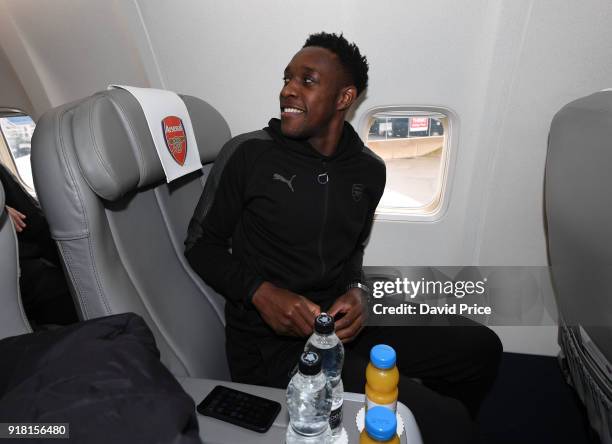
323, 179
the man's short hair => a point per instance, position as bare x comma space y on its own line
355, 65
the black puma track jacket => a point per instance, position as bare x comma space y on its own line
295, 218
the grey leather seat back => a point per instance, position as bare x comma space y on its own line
579, 223
13, 320
120, 228
579, 215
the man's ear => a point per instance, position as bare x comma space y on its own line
347, 96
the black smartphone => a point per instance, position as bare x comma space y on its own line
240, 408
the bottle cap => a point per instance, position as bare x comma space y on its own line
310, 363
382, 356
324, 324
380, 423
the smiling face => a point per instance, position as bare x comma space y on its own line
312, 99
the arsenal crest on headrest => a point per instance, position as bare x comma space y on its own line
175, 137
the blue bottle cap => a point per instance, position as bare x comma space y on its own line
382, 356
380, 423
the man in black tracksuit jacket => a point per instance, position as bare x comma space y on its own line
297, 219
295, 203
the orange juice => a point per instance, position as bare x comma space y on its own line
382, 378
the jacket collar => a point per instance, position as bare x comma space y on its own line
349, 144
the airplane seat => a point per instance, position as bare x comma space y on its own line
579, 233
13, 320
120, 227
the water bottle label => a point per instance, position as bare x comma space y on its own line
335, 418
371, 404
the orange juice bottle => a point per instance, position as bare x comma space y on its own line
381, 378
380, 427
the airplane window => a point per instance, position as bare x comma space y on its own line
17, 133
413, 146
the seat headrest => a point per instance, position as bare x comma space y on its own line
114, 146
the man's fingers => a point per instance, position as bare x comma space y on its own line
345, 321
340, 306
303, 324
349, 333
351, 314
306, 314
354, 326
335, 309
312, 307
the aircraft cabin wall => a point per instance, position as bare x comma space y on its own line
502, 67
12, 94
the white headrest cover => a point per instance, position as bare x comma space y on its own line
114, 146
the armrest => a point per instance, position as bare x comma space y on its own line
213, 431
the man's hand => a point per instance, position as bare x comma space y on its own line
352, 305
286, 312
17, 218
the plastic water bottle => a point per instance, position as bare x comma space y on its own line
325, 342
309, 403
